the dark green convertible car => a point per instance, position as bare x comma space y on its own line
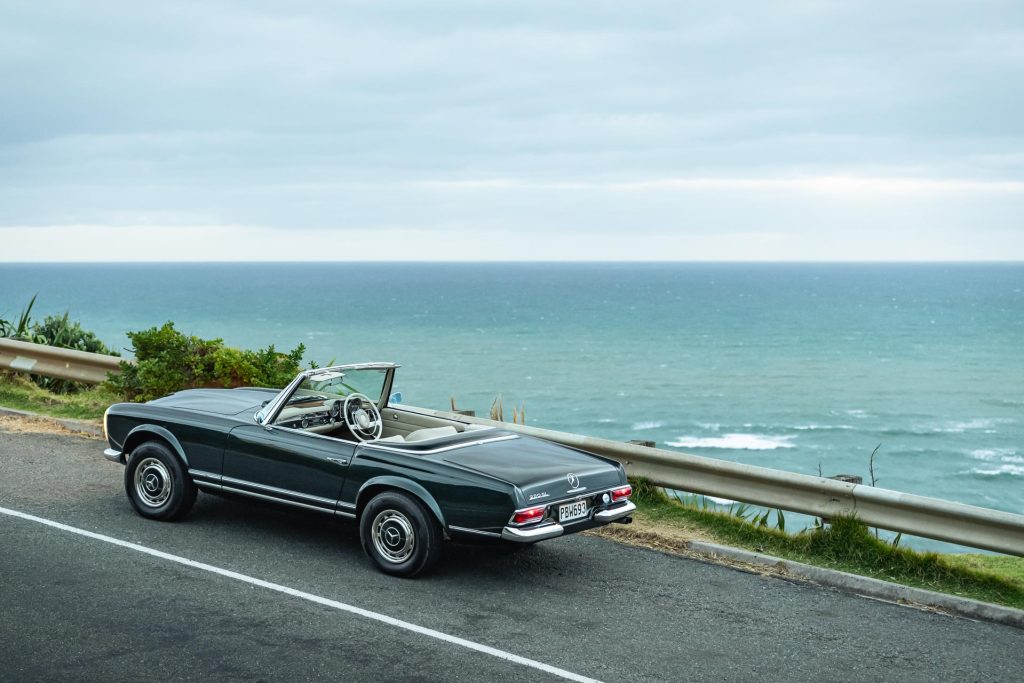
331, 441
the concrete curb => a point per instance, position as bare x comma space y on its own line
83, 426
868, 587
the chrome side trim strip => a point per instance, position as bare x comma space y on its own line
206, 475
440, 449
463, 529
346, 505
275, 499
274, 489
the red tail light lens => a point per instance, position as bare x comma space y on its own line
529, 515
624, 492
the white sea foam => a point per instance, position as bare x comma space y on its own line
737, 442
1006, 468
710, 426
959, 426
817, 427
996, 455
647, 424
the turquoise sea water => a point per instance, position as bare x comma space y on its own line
783, 365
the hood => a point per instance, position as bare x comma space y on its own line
538, 467
218, 401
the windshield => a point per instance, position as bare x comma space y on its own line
340, 383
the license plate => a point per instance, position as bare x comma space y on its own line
571, 511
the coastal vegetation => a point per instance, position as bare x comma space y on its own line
55, 330
19, 392
167, 360
845, 544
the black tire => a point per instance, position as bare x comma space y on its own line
400, 535
157, 484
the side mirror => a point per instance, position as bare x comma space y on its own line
259, 417
395, 398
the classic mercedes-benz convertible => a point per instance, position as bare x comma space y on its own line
336, 441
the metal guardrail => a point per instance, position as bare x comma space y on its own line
50, 361
911, 514
918, 515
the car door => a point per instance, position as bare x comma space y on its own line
292, 466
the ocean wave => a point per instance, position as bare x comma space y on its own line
1001, 470
984, 424
736, 442
996, 455
647, 424
959, 426
808, 427
821, 428
710, 426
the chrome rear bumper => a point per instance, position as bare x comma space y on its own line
113, 456
615, 513
511, 533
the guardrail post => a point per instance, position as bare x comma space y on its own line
849, 479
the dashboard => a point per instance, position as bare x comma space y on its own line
312, 413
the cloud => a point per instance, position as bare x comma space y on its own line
464, 119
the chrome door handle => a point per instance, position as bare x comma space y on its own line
339, 461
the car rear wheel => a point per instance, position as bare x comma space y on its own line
400, 535
157, 484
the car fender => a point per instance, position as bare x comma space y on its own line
402, 484
142, 431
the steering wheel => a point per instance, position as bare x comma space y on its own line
362, 417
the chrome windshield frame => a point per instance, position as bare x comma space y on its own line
269, 413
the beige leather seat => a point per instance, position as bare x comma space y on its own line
421, 435
431, 433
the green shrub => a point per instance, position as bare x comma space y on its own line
55, 330
21, 328
68, 334
168, 360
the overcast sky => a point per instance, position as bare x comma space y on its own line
520, 130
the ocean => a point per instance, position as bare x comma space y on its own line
800, 367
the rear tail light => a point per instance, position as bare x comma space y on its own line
620, 493
529, 515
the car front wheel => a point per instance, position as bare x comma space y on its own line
400, 535
157, 484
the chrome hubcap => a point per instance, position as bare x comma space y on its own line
393, 536
153, 482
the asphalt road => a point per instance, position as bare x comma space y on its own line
73, 607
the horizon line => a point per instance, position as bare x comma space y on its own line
537, 261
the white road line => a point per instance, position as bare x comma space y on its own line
422, 630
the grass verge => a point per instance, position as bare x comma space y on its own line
18, 392
846, 545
